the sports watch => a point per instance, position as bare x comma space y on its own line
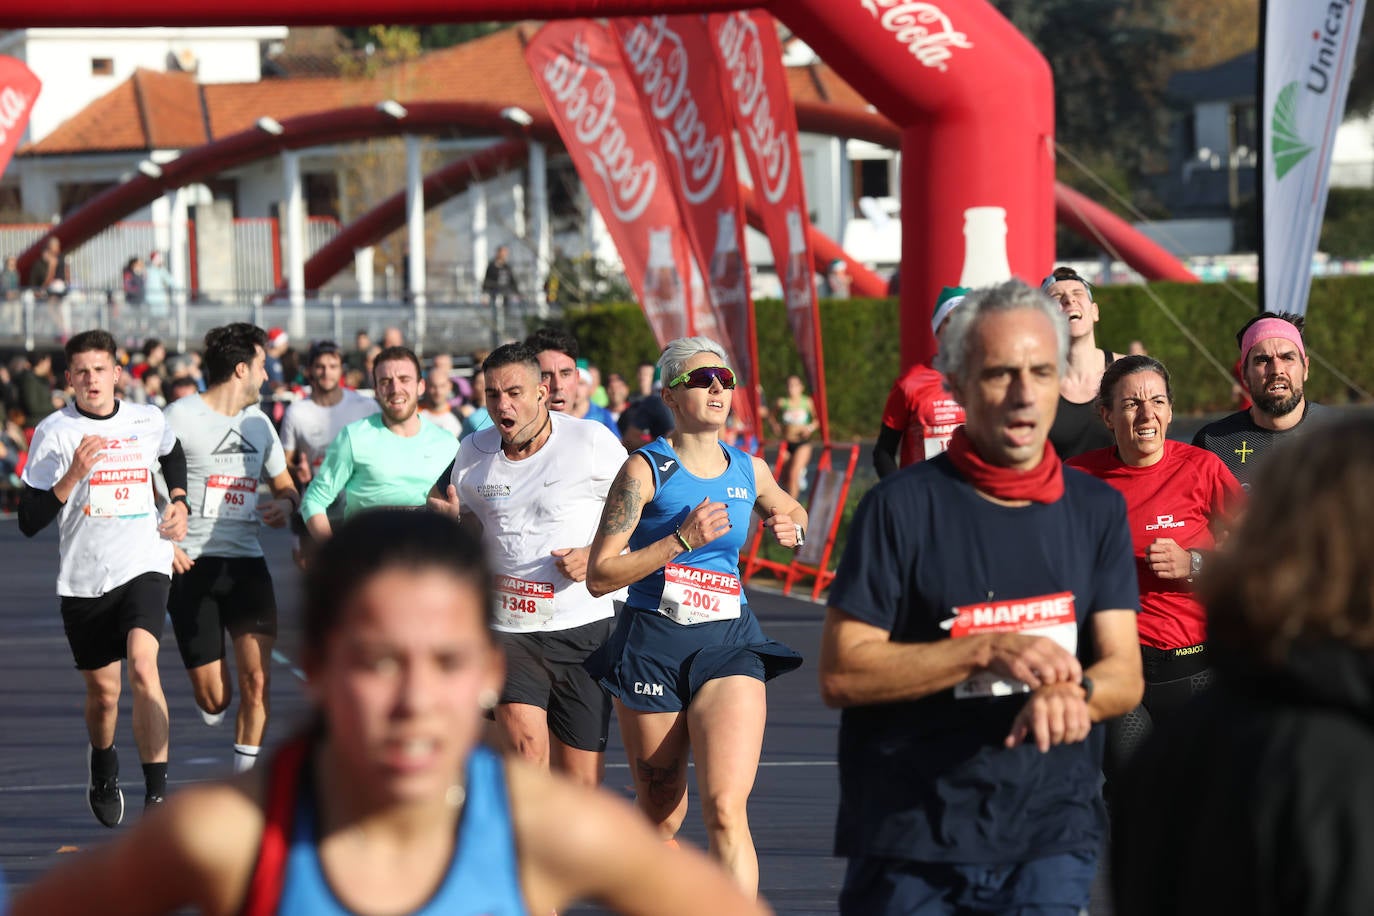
1195, 564
801, 536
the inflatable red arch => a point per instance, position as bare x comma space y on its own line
972, 98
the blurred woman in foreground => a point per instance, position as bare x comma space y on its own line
388, 805
1257, 797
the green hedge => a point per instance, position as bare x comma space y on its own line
862, 344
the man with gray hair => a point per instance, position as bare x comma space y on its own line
981, 624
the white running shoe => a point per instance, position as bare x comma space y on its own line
211, 719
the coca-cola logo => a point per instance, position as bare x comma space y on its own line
13, 106
590, 112
922, 27
741, 53
658, 59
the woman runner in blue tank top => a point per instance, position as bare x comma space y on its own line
688, 658
387, 805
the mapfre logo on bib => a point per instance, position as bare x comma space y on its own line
1051, 616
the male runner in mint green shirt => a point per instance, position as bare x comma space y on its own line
388, 459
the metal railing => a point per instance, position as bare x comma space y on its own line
451, 326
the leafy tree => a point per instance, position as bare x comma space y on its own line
1110, 60
427, 36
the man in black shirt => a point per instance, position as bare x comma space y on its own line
1273, 369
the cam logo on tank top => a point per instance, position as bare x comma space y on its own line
1052, 616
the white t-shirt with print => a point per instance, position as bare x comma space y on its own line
532, 507
107, 531
226, 458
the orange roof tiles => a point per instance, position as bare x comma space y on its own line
171, 111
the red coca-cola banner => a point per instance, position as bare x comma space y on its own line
759, 101
18, 91
670, 61
576, 65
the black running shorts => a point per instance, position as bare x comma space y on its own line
218, 594
545, 670
98, 628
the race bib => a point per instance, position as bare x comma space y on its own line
937, 443
692, 595
119, 494
522, 604
230, 497
1053, 616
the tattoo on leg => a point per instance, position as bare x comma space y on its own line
663, 784
622, 505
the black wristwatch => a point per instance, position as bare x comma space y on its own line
181, 498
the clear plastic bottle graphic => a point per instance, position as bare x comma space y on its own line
663, 294
985, 247
727, 267
797, 280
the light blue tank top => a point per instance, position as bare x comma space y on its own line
482, 878
677, 492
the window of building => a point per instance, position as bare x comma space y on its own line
873, 178
321, 192
73, 194
102, 66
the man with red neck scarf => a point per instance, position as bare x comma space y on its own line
981, 625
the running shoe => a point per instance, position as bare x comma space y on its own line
211, 718
104, 797
151, 801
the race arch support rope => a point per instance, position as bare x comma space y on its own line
971, 95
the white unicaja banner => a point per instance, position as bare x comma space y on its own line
1309, 55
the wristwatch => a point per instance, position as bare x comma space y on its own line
1195, 565
181, 498
801, 537
1087, 684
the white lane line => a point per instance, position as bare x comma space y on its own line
281, 658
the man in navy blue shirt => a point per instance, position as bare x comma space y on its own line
981, 624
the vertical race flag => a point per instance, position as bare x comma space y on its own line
1308, 54
670, 62
18, 91
755, 84
576, 65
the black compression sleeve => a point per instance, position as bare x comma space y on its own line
174, 467
37, 509
446, 478
885, 451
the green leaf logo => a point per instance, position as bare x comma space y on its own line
1288, 148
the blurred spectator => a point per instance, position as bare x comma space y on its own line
181, 386
617, 395
474, 413
434, 403
157, 287
498, 283
49, 278
357, 357
392, 337
838, 280
135, 280
154, 353
35, 383
10, 281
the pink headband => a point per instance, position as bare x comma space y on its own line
1267, 328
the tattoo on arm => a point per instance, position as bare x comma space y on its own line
663, 785
622, 505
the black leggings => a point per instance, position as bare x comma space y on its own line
1172, 678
